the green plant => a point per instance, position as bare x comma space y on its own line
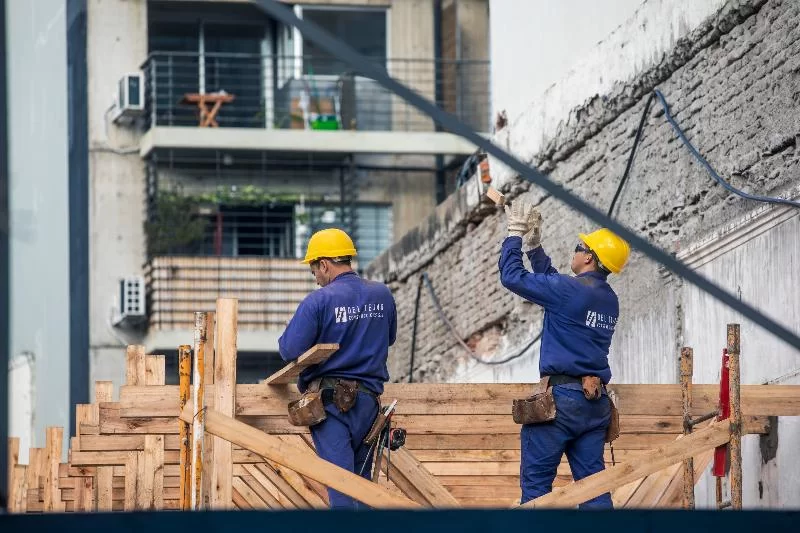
174, 224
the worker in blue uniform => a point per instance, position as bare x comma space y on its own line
580, 314
360, 316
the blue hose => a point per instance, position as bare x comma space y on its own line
708, 167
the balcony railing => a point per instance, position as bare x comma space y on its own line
286, 92
268, 289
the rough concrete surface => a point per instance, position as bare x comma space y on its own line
732, 85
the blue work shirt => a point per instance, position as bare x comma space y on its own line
357, 314
580, 312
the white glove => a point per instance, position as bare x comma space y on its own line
534, 238
519, 218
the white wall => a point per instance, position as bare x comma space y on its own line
549, 57
39, 244
116, 44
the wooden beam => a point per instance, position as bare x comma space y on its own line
224, 385
735, 448
687, 366
155, 370
18, 496
184, 372
202, 325
12, 462
53, 445
404, 462
135, 365
623, 473
315, 355
305, 463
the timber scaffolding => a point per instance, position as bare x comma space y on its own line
230, 446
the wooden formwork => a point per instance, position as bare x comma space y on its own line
156, 446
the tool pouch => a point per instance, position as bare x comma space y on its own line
345, 393
612, 431
538, 408
375, 431
592, 387
308, 410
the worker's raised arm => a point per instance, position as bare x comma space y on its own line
540, 261
302, 332
543, 289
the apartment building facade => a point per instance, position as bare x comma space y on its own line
221, 139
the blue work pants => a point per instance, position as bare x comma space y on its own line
339, 439
579, 430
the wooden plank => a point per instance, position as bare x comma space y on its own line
19, 491
144, 482
467, 399
315, 355
673, 496
264, 474
53, 445
250, 496
131, 480
155, 370
317, 493
103, 391
412, 469
653, 488
203, 324
621, 495
225, 401
12, 461
135, 365
184, 372
624, 473
84, 498
265, 491
112, 423
154, 459
210, 403
238, 501
99, 458
105, 481
305, 463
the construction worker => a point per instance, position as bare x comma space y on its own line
360, 316
580, 313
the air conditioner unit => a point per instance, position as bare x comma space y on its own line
129, 103
132, 299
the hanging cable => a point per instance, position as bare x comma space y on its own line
694, 152
458, 338
628, 166
414, 333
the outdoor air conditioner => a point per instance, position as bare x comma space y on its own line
129, 102
131, 301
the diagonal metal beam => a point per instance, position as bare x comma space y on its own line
342, 51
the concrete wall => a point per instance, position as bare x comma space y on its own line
116, 44
578, 48
730, 84
39, 243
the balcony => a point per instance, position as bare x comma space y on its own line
269, 289
285, 103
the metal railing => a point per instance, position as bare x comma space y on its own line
284, 92
268, 289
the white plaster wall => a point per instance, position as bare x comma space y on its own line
116, 44
39, 243
549, 57
772, 288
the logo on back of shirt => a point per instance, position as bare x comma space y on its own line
600, 320
363, 312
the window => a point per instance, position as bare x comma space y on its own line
364, 29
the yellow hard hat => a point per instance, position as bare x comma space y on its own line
330, 242
611, 250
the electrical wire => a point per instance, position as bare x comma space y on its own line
458, 338
709, 168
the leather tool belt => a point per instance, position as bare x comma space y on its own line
309, 410
537, 408
540, 407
